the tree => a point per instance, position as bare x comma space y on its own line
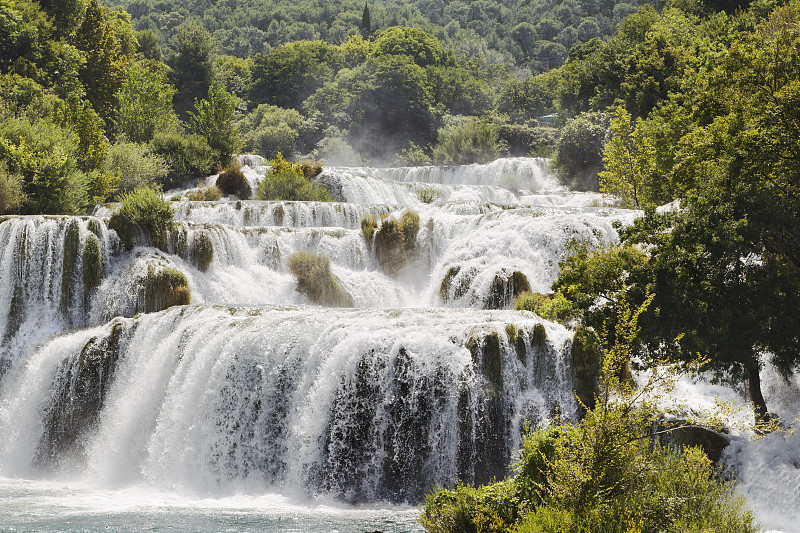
191, 66
291, 73
628, 160
366, 21
423, 49
144, 104
104, 70
578, 157
215, 119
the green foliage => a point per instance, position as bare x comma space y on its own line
92, 263
395, 241
47, 157
578, 154
201, 250
191, 66
104, 70
286, 181
142, 210
188, 156
628, 159
165, 287
232, 181
148, 45
550, 307
289, 74
144, 104
413, 156
135, 166
205, 194
12, 197
466, 142
368, 226
428, 195
214, 119
270, 130
315, 279
424, 49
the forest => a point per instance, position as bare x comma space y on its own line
692, 105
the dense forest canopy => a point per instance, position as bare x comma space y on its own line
532, 34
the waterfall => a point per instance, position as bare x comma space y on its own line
245, 384
362, 405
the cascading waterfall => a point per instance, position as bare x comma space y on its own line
252, 388
363, 405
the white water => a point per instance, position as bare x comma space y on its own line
263, 416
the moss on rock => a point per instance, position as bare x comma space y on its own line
163, 288
368, 226
316, 280
72, 242
505, 287
539, 337
409, 225
202, 250
586, 356
487, 355
92, 264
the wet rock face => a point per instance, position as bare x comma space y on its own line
78, 395
505, 287
680, 434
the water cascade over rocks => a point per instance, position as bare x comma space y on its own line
429, 378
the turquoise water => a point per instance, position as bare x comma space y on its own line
48, 506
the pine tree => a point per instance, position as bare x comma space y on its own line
366, 21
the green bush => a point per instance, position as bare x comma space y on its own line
395, 240
428, 195
163, 288
315, 279
47, 157
466, 142
579, 151
135, 167
286, 181
232, 181
12, 197
205, 194
202, 250
188, 156
368, 226
548, 306
142, 210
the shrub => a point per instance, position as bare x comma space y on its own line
47, 157
135, 167
368, 225
315, 279
286, 181
163, 288
466, 142
205, 194
202, 250
394, 239
548, 306
92, 263
12, 197
413, 156
311, 169
579, 151
232, 181
428, 195
188, 156
142, 210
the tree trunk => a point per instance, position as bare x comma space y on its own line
759, 405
